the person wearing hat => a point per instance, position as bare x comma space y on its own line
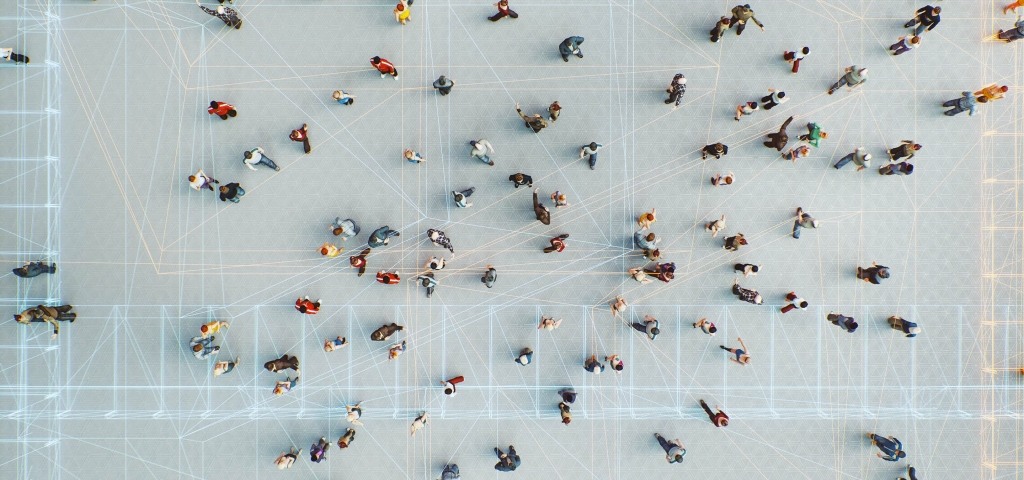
853, 78
779, 139
901, 168
539, 210
906, 326
525, 357
563, 409
257, 157
718, 150
591, 149
859, 157
444, 85
460, 197
794, 303
570, 46
890, 446
649, 327
674, 451
503, 11
675, 90
227, 15
803, 220
480, 148
384, 67
535, 121
222, 110
966, 103
720, 28
741, 14
449, 385
745, 109
719, 419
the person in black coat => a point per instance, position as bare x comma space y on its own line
34, 269
542, 212
779, 140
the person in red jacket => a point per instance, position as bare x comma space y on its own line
300, 135
222, 110
304, 305
384, 67
388, 278
557, 243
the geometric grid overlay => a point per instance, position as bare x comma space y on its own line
147, 260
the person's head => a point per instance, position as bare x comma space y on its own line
618, 366
669, 275
727, 180
719, 147
342, 444
650, 237
936, 10
442, 80
915, 40
337, 95
191, 178
814, 223
220, 9
681, 79
449, 390
197, 348
901, 453
323, 250
781, 94
566, 419
519, 178
806, 50
204, 329
561, 198
593, 145
678, 458
752, 105
400, 7
883, 273
17, 317
1004, 89
724, 422
725, 20
867, 157
915, 330
712, 329
656, 331
213, 104
917, 146
824, 134
523, 359
656, 253
375, 60
247, 155
328, 346
337, 231
408, 153
754, 269
982, 99
803, 304
279, 390
503, 3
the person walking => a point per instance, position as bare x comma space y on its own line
213, 327
664, 272
906, 149
200, 181
480, 148
742, 357
301, 134
570, 46
779, 139
503, 11
345, 440
746, 294
34, 269
222, 110
814, 134
591, 150
719, 29
525, 356
221, 368
344, 97
618, 306
593, 366
519, 179
873, 274
559, 199
227, 15
63, 313
318, 450
381, 236
330, 250
905, 44
890, 446
803, 220
533, 121
284, 386
540, 211
359, 261
705, 326
853, 78
353, 413
926, 16
774, 99
549, 323
719, 418
427, 281
747, 269
741, 14
966, 103
439, 239
716, 226
332, 345
385, 332
719, 180
418, 423
384, 67
646, 219
413, 156
649, 327
647, 241
652, 255
799, 151
232, 192
200, 346
490, 276
557, 244
304, 305
460, 197
402, 12
794, 58
794, 302
553, 111
842, 321
8, 54
615, 362
284, 363
345, 229
285, 460
993, 91
256, 157
910, 329
507, 462
717, 149
451, 472
901, 168
388, 278
444, 85
675, 90
745, 109
734, 242
565, 412
859, 157
449, 385
674, 451
1014, 34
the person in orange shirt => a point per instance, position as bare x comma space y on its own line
212, 328
330, 250
993, 92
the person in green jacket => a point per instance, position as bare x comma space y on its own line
813, 134
740, 15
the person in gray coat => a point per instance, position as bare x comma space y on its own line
444, 85
570, 46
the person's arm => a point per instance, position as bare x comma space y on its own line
743, 345
247, 164
582, 149
754, 19
488, 146
734, 359
936, 19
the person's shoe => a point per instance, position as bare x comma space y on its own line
382, 75
277, 169
592, 167
395, 77
565, 59
398, 234
213, 338
668, 102
238, 360
830, 91
722, 347
496, 451
579, 55
736, 118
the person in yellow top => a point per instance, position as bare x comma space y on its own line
402, 12
330, 250
993, 92
212, 328
647, 219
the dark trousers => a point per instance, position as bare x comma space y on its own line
640, 328
664, 444
305, 145
769, 102
897, 153
739, 26
500, 15
17, 57
711, 415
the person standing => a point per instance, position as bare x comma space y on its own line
359, 261
345, 229
318, 450
993, 91
966, 103
745, 109
873, 274
719, 180
525, 356
647, 219
222, 110
232, 192
490, 276
615, 362
384, 67
388, 278
353, 413
444, 85
345, 440
9, 55
227, 15
905, 44
716, 226
799, 151
719, 29
381, 236
402, 12
221, 368
439, 239
779, 139
591, 150
842, 321
718, 419
200, 346
200, 181
570, 46
926, 16
741, 14
746, 269
859, 157
257, 157
803, 220
794, 58
557, 244
285, 460
503, 11
593, 366
718, 150
413, 156
675, 90
301, 135
480, 148
774, 99
540, 211
34, 269
742, 357
460, 197
734, 242
746, 294
306, 306
674, 451
330, 250
646, 242
813, 134
553, 111
213, 327
565, 412
910, 329
907, 149
794, 302
344, 97
901, 168
890, 446
559, 199
853, 78
1015, 34
534, 121
449, 385
705, 326
649, 327
427, 280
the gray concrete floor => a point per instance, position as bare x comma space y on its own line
104, 126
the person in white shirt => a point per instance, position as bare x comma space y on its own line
256, 157
591, 150
200, 181
480, 148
